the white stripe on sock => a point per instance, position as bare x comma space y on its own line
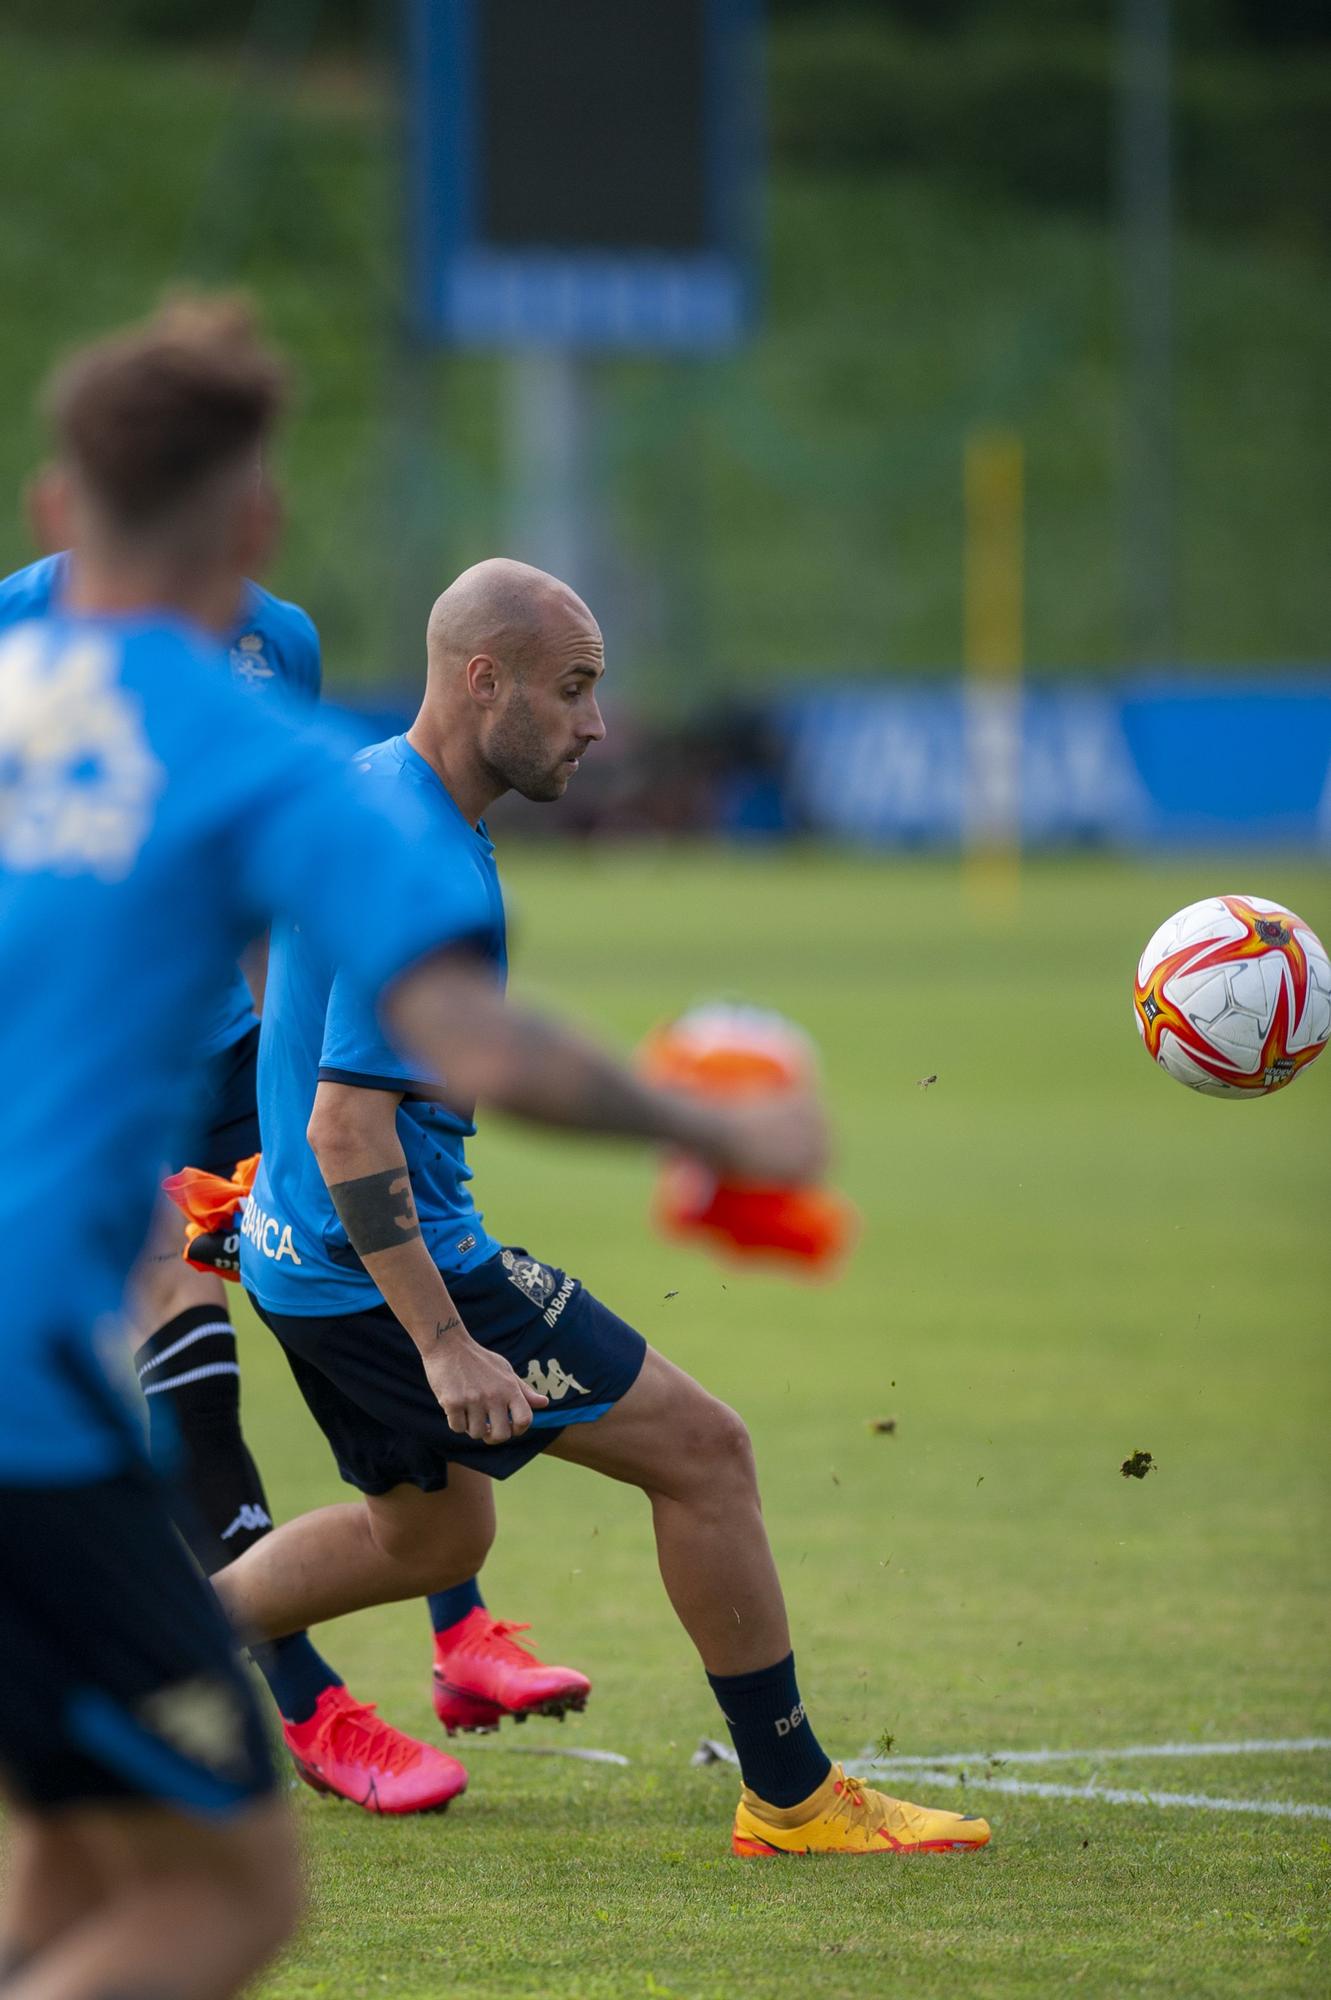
191, 1375
188, 1340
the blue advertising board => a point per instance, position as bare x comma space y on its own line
583, 177
1131, 763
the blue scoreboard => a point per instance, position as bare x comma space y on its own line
583, 173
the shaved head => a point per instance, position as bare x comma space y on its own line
508, 612
514, 660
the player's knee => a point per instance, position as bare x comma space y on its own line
731, 1444
165, 1290
717, 1447
435, 1549
400, 1541
455, 1557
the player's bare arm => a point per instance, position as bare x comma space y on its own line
377, 1210
494, 1053
353, 1133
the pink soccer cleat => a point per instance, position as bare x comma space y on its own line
481, 1675
346, 1749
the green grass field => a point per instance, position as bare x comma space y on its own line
1066, 1257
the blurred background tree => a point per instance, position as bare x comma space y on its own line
944, 256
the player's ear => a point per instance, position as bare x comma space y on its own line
48, 505
482, 679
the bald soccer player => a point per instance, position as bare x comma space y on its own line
368, 1258
188, 1361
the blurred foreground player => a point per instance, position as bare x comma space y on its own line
375, 1270
149, 1857
188, 1362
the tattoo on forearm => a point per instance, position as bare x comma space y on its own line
377, 1211
443, 1326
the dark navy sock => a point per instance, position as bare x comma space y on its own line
450, 1607
780, 1758
296, 1674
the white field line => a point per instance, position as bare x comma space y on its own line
1111, 1795
975, 1769
1250, 1746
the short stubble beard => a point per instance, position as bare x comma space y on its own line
517, 754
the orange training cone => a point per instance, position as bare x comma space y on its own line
736, 1052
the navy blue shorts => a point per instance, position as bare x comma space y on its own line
118, 1674
362, 1378
229, 1119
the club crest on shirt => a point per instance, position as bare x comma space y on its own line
78, 780
535, 1281
248, 661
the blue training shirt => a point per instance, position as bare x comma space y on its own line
317, 1024
274, 647
131, 769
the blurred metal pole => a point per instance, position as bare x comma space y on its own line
1146, 213
547, 435
412, 528
414, 523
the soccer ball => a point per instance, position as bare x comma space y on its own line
1233, 996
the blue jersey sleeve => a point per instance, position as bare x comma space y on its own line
355, 1048
350, 864
30, 592
301, 654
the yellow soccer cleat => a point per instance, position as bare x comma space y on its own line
845, 1817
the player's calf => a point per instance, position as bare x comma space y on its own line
691, 1456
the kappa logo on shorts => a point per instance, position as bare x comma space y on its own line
551, 1380
250, 1518
201, 1718
535, 1281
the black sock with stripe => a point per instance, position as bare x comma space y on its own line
190, 1377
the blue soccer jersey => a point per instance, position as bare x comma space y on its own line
317, 1024
274, 646
130, 770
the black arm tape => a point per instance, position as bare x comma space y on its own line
377, 1211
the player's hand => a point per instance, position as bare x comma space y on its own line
477, 1391
772, 1141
